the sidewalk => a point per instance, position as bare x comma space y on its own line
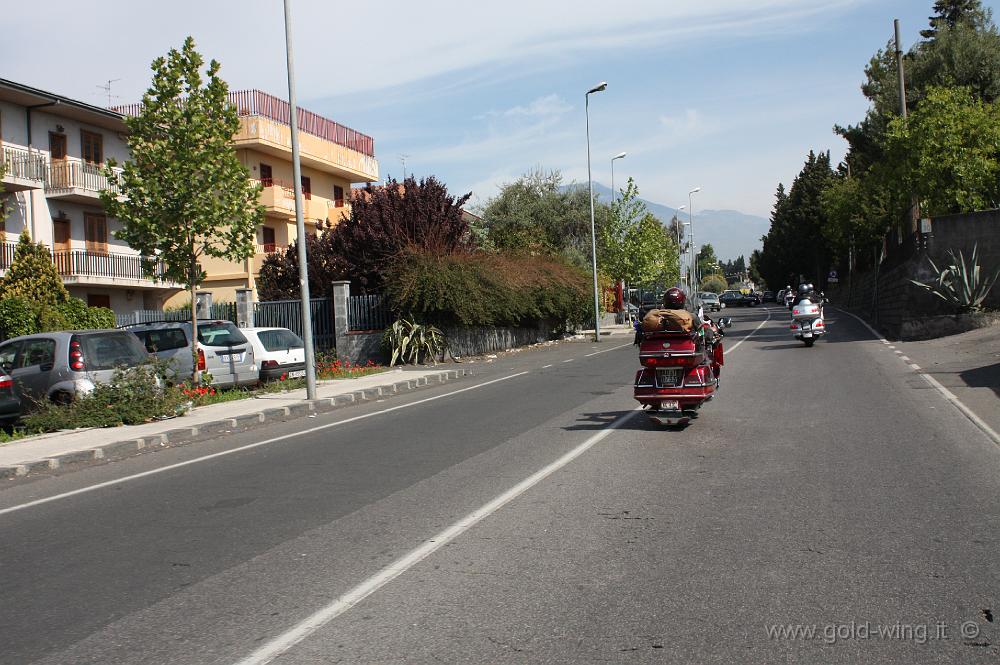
51, 451
968, 365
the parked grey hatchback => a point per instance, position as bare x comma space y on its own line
223, 350
61, 365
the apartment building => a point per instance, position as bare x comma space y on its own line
53, 150
332, 157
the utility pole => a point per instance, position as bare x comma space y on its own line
300, 225
914, 201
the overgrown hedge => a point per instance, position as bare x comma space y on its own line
488, 289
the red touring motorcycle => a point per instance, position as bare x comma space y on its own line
680, 371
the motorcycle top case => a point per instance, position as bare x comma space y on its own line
664, 349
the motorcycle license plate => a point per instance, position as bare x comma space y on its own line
806, 327
670, 405
668, 377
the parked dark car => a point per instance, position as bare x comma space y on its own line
10, 403
769, 296
750, 299
731, 298
61, 365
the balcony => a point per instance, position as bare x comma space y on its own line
22, 169
263, 251
278, 199
78, 181
82, 267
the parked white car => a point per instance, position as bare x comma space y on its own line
280, 353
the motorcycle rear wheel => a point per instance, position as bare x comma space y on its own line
809, 342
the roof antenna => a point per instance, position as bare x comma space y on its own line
402, 159
107, 90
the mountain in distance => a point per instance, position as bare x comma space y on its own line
730, 232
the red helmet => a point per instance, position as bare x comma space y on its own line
674, 298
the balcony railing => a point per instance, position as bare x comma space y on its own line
270, 248
258, 103
87, 263
71, 174
19, 163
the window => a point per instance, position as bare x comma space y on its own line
222, 333
7, 354
95, 232
267, 236
279, 340
338, 196
98, 300
92, 147
306, 188
163, 340
57, 145
110, 349
265, 175
37, 352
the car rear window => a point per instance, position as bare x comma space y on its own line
166, 339
279, 340
221, 333
108, 350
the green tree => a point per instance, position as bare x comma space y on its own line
537, 215
951, 13
654, 256
32, 275
185, 194
707, 261
948, 152
714, 283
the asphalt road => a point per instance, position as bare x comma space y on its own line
826, 489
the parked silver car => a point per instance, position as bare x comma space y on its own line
61, 365
223, 350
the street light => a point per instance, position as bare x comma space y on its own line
614, 193
693, 275
307, 331
601, 87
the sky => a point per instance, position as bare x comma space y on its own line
726, 95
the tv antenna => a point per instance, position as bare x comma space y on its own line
107, 90
402, 159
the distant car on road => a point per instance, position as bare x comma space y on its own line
709, 301
769, 296
751, 299
731, 298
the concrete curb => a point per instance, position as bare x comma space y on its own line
182, 435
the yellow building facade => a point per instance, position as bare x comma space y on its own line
333, 157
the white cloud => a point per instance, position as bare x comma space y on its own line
550, 105
341, 49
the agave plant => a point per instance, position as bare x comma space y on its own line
410, 342
962, 285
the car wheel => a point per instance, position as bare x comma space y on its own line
61, 398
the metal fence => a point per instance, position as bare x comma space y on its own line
288, 314
367, 313
225, 311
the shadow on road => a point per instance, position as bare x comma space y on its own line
597, 421
983, 377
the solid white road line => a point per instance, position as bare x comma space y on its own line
355, 595
614, 348
205, 458
947, 394
296, 634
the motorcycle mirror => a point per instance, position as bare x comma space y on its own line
728, 321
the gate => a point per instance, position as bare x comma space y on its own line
288, 314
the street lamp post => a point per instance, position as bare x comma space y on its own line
307, 332
693, 275
614, 192
601, 87
680, 255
